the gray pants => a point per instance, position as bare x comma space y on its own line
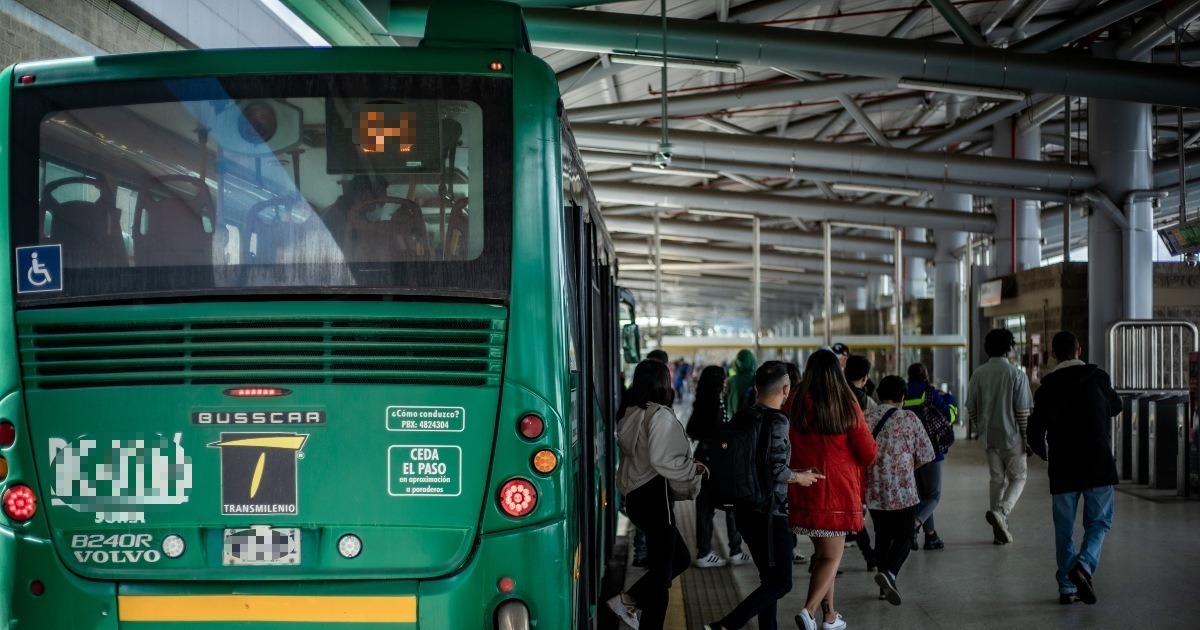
1007, 467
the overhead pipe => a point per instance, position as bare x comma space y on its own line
770, 205
777, 275
840, 157
1155, 29
819, 175
1166, 170
1095, 19
1027, 14
1039, 114
772, 237
1189, 52
724, 99
713, 253
845, 53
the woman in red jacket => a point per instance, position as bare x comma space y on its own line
828, 434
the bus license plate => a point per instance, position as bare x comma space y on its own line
261, 545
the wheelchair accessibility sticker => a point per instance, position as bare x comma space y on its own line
39, 268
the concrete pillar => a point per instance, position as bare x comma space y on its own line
916, 276
948, 303
1018, 224
1120, 267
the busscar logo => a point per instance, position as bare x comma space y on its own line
258, 472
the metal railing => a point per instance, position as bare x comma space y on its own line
1150, 355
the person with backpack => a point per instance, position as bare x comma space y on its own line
828, 434
655, 461
708, 415
762, 518
933, 411
904, 448
741, 382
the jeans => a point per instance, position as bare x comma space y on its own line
704, 525
929, 488
893, 533
1097, 520
775, 578
651, 510
1007, 467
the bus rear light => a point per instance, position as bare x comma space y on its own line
531, 427
256, 392
27, 79
496, 65
506, 585
518, 497
349, 546
20, 504
173, 546
37, 588
545, 461
3, 468
8, 434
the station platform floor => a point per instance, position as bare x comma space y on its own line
1149, 575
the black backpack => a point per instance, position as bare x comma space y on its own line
736, 456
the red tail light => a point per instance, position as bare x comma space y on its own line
518, 497
256, 392
20, 504
8, 434
531, 427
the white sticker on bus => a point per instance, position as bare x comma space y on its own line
424, 471
119, 477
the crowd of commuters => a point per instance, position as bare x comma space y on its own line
832, 446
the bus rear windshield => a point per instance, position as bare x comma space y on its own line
334, 184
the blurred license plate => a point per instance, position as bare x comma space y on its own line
261, 545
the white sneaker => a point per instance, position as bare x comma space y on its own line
805, 621
837, 624
626, 611
798, 558
710, 561
740, 558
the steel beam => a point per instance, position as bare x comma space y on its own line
957, 22
976, 123
1155, 29
712, 253
724, 99
1071, 30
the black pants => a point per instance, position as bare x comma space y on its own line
893, 535
705, 511
775, 579
667, 554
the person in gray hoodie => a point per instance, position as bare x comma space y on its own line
656, 456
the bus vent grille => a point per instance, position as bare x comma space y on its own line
462, 352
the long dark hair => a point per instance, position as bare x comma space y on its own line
708, 408
651, 384
834, 409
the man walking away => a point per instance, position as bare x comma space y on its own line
998, 402
765, 528
857, 371
1070, 428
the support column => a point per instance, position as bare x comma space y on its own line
917, 280
1018, 221
1120, 264
948, 292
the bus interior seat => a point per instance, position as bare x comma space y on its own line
173, 222
399, 238
88, 231
276, 233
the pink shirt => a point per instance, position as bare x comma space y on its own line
903, 446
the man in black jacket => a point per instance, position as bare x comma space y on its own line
1070, 429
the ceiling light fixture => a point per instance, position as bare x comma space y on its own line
966, 90
675, 62
883, 190
681, 172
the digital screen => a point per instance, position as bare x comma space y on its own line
1182, 238
383, 136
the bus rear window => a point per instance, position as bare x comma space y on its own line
280, 184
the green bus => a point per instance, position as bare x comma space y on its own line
304, 339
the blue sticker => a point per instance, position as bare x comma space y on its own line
39, 268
